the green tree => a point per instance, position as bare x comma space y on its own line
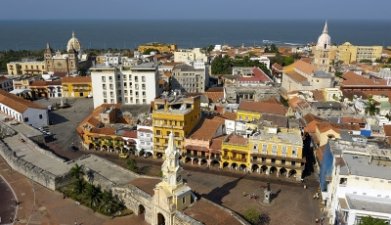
93, 195
77, 171
132, 165
79, 186
368, 220
371, 107
252, 215
221, 65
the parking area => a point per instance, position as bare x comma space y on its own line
64, 122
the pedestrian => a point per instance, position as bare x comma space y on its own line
305, 186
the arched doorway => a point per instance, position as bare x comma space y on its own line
234, 166
292, 173
283, 171
273, 170
204, 162
243, 167
160, 219
255, 168
225, 164
141, 211
263, 169
187, 159
215, 163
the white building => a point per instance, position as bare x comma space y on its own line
356, 181
189, 56
23, 110
190, 79
114, 84
145, 137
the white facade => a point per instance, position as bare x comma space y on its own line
33, 117
145, 136
190, 55
137, 85
360, 183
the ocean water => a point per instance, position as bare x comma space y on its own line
34, 35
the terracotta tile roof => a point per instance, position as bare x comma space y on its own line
215, 89
145, 184
263, 107
214, 96
207, 129
296, 102
130, 134
352, 79
258, 76
235, 139
229, 115
215, 146
95, 115
209, 213
348, 119
318, 95
309, 117
325, 126
302, 66
296, 76
78, 79
387, 130
277, 66
17, 103
103, 131
145, 130
94, 122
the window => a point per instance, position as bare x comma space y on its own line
111, 86
104, 94
274, 150
255, 147
110, 78
144, 101
136, 79
264, 148
143, 86
284, 150
124, 76
40, 116
104, 86
143, 78
294, 152
104, 100
143, 93
103, 79
26, 119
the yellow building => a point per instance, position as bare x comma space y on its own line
161, 47
348, 53
277, 151
235, 153
26, 67
76, 86
177, 114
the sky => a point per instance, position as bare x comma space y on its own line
195, 9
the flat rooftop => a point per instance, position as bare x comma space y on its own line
25, 129
366, 203
366, 166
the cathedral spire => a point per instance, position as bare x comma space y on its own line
325, 28
73, 34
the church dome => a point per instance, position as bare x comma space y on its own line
73, 43
324, 40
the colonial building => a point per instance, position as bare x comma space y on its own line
26, 67
75, 87
174, 113
63, 63
324, 52
348, 53
170, 200
157, 46
189, 56
23, 110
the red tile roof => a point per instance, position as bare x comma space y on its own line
17, 103
215, 146
296, 76
78, 79
229, 115
214, 96
348, 119
263, 107
258, 77
208, 129
235, 139
352, 79
387, 130
130, 134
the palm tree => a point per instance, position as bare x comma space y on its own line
77, 171
93, 195
371, 107
79, 186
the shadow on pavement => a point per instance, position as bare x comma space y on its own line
217, 194
55, 118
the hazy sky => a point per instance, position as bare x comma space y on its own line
195, 9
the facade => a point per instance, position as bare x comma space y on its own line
324, 52
76, 87
348, 53
112, 84
27, 67
157, 46
190, 79
189, 56
6, 84
174, 113
63, 63
254, 111
45, 89
355, 181
23, 110
145, 138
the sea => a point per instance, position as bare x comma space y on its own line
128, 34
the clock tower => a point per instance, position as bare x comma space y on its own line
171, 167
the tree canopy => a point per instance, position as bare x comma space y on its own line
368, 220
223, 65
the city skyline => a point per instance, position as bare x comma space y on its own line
203, 9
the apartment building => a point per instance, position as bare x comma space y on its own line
190, 79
